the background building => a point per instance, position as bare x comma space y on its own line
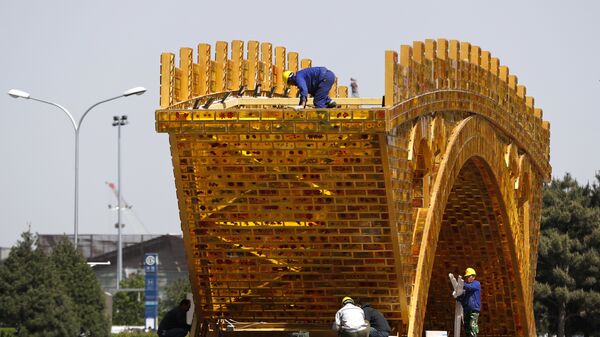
102, 248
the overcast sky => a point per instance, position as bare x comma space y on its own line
77, 53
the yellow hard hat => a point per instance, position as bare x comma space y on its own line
470, 271
286, 75
347, 300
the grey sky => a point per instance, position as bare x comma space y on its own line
77, 53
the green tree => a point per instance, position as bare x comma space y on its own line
31, 295
83, 289
128, 306
567, 284
174, 293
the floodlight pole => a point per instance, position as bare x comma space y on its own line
76, 127
119, 121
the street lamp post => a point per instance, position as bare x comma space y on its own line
119, 121
76, 127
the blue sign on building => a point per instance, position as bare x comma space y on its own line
151, 290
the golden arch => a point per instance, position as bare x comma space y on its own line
473, 140
284, 212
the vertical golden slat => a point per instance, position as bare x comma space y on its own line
485, 60
262, 73
503, 85
484, 74
475, 61
195, 79
546, 126
442, 63
453, 62
305, 63
442, 49
252, 67
430, 49
333, 90
177, 88
521, 91
220, 71
237, 61
407, 80
203, 69
167, 79
465, 51
512, 91
494, 79
530, 102
432, 63
495, 66
292, 66
503, 73
464, 66
342, 91
187, 72
418, 51
391, 58
266, 57
279, 69
513, 81
419, 67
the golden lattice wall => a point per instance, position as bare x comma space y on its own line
284, 212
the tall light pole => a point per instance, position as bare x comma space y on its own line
119, 121
76, 127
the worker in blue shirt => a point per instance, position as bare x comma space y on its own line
316, 81
471, 302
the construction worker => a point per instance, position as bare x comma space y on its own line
471, 302
316, 81
379, 325
354, 88
350, 320
174, 323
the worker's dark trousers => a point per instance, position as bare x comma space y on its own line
321, 97
378, 333
362, 333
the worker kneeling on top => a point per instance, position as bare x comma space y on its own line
350, 320
316, 81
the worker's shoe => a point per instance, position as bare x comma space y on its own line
331, 104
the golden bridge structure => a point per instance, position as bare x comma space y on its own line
284, 212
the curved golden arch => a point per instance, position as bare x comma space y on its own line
465, 101
463, 146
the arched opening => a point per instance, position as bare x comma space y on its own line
473, 234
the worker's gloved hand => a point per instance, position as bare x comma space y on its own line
302, 101
298, 107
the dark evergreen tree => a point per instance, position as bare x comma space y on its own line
83, 289
35, 299
128, 306
595, 191
567, 283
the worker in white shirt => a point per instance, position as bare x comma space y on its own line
350, 320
